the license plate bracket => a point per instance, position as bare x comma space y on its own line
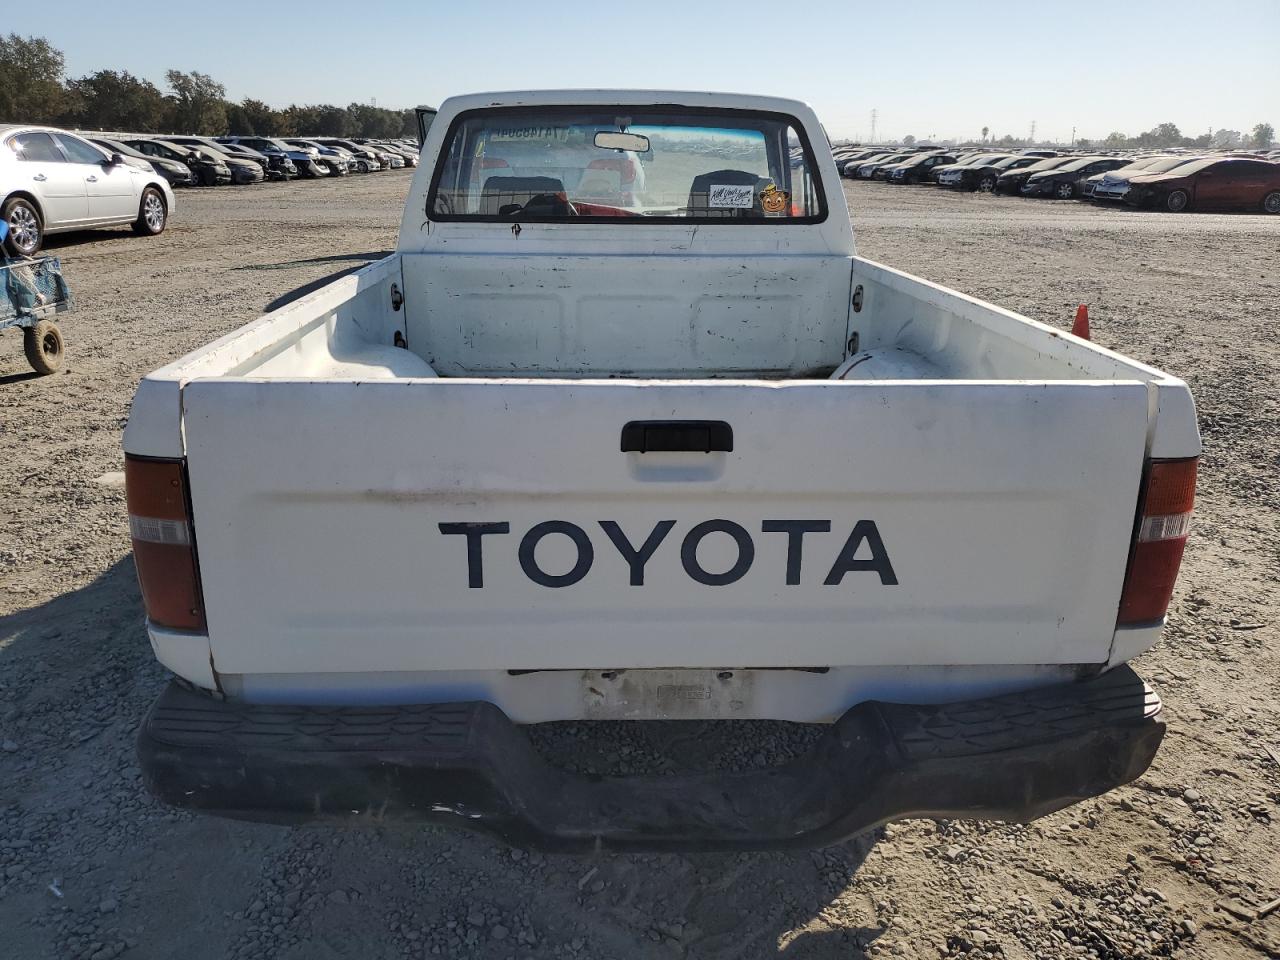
666, 694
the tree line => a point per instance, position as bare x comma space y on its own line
1168, 135
1160, 137
34, 89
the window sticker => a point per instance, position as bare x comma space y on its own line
534, 132
731, 195
773, 200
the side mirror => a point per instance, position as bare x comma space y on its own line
117, 160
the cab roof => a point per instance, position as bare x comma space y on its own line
597, 97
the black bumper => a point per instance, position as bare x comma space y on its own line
1015, 757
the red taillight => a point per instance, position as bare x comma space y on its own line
1167, 500
163, 548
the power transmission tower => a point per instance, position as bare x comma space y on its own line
1032, 140
874, 114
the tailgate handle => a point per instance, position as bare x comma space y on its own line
685, 436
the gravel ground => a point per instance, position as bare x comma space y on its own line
1183, 863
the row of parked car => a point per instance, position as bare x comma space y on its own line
1173, 181
54, 181
215, 161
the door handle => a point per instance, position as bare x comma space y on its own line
40, 177
681, 436
91, 179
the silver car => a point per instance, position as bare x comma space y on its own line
52, 181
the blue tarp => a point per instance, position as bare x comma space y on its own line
32, 286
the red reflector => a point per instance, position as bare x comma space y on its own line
163, 549
1149, 586
1167, 500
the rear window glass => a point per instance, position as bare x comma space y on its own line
553, 165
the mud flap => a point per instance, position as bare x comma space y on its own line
1014, 757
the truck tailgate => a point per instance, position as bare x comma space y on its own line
497, 524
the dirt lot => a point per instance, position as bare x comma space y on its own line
1176, 865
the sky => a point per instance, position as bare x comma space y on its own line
930, 69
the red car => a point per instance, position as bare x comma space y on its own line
1224, 183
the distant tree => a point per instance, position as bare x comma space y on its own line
331, 121
1227, 139
377, 122
1164, 135
908, 141
1084, 144
1008, 140
265, 121
1115, 140
296, 121
108, 100
198, 105
238, 122
31, 88
985, 131
1263, 134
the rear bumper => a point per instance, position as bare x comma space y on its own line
1014, 757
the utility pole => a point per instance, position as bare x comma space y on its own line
1073, 136
874, 114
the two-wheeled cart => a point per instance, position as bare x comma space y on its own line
32, 293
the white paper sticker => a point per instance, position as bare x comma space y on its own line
731, 195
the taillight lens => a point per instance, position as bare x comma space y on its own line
1168, 497
163, 547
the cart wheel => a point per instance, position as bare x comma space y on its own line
43, 344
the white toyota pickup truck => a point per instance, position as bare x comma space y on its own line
625, 429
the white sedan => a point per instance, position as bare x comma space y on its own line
52, 181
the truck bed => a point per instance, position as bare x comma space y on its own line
907, 329
953, 424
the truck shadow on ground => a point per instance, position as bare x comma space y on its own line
78, 675
799, 905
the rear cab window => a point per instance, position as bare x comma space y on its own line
553, 164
